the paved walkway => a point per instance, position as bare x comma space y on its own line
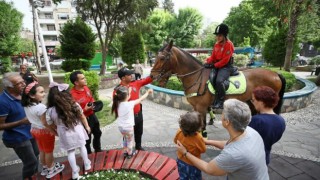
295, 156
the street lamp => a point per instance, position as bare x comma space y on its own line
37, 4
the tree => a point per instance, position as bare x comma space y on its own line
168, 6
132, 47
207, 37
185, 27
274, 50
77, 40
113, 16
11, 22
242, 22
158, 29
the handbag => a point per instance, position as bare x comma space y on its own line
98, 105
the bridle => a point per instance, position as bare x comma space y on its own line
164, 73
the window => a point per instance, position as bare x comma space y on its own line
47, 3
48, 15
51, 27
63, 16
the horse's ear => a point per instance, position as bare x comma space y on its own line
169, 45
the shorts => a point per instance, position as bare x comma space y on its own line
187, 171
45, 139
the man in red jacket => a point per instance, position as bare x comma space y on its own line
83, 96
125, 76
220, 61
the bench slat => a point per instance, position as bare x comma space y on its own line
111, 156
174, 175
149, 161
119, 160
98, 164
127, 162
167, 169
139, 159
157, 165
67, 171
92, 158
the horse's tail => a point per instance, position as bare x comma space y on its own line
277, 109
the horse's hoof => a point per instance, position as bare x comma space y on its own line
210, 122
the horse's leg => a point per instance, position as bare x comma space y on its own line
204, 124
212, 116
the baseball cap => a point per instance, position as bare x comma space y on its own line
124, 71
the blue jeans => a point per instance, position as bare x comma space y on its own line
28, 152
187, 171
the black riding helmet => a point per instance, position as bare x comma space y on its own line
222, 29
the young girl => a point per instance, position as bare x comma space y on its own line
123, 110
66, 116
35, 111
188, 135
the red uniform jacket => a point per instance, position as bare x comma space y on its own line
83, 98
221, 54
135, 92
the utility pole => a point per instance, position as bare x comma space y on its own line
36, 39
44, 51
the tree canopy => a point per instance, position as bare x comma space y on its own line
77, 40
11, 22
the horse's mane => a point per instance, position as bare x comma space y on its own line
186, 53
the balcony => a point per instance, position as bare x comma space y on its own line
46, 21
52, 33
51, 43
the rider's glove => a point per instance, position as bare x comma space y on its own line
207, 65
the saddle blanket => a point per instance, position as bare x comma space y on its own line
237, 85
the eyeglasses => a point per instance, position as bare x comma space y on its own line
19, 83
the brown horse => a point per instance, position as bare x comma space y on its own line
174, 61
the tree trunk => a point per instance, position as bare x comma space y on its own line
318, 80
104, 58
292, 33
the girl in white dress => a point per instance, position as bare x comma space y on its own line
66, 116
123, 109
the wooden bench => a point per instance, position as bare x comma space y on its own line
150, 164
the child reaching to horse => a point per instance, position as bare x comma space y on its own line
188, 135
35, 111
123, 109
67, 117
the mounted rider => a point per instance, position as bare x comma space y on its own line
221, 61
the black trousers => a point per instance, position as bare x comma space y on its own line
138, 76
96, 132
138, 127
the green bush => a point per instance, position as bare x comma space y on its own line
315, 61
290, 78
6, 65
73, 64
92, 81
240, 60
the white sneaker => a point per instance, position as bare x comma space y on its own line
57, 168
87, 166
75, 174
44, 171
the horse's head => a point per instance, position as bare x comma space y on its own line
162, 68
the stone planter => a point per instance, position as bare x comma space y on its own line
176, 99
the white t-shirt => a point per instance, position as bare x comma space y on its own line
125, 114
34, 113
244, 159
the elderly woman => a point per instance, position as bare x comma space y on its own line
28, 76
242, 156
268, 124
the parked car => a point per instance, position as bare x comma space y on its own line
56, 62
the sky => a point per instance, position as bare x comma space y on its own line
212, 10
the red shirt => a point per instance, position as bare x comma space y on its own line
83, 97
135, 92
221, 54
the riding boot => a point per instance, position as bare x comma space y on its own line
220, 95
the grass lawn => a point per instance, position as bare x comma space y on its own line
105, 117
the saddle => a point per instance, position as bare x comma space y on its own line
236, 84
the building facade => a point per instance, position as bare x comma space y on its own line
51, 19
